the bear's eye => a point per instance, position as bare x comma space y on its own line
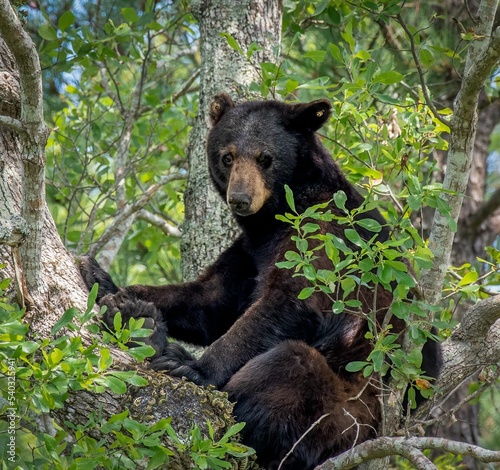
227, 159
264, 160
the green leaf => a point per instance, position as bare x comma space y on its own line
363, 55
55, 356
291, 85
338, 307
66, 20
117, 322
64, 320
289, 198
353, 236
140, 353
355, 366
92, 297
233, 44
340, 198
105, 359
130, 15
306, 292
317, 56
47, 32
233, 430
369, 224
412, 398
426, 57
469, 278
115, 385
335, 52
310, 228
388, 78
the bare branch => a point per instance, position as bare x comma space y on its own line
186, 87
130, 210
162, 224
409, 448
313, 425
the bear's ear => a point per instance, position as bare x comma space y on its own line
309, 116
220, 104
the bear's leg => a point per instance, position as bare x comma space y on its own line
284, 391
117, 300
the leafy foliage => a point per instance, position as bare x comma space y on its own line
37, 377
356, 262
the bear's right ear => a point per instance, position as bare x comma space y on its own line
220, 104
309, 116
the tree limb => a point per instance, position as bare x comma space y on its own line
409, 448
13, 124
162, 224
472, 346
130, 210
33, 145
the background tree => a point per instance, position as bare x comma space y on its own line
255, 25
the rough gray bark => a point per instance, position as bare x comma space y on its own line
208, 228
32, 126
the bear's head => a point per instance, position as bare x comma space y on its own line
254, 148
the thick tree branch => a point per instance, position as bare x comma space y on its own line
478, 320
409, 448
13, 124
24, 52
481, 58
473, 345
13, 231
162, 224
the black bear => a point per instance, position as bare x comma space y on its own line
282, 360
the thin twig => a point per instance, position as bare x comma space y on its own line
313, 425
420, 72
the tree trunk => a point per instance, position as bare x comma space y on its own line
479, 222
208, 227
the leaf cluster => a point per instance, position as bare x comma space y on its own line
37, 375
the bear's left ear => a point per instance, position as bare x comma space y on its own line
309, 116
220, 104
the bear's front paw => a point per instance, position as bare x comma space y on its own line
131, 307
93, 273
179, 363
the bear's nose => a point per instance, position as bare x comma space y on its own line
239, 202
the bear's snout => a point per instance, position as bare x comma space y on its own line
239, 203
247, 191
